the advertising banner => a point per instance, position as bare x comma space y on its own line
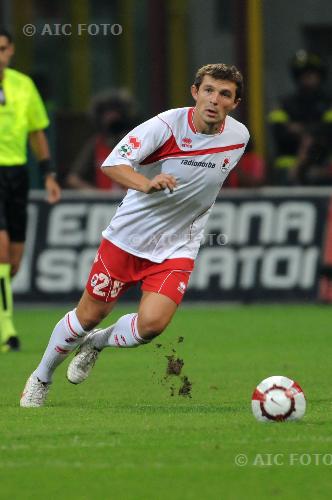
262, 245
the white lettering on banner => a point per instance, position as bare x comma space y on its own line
99, 217
271, 245
256, 266
222, 220
65, 226
291, 257
299, 216
301, 265
274, 221
308, 271
56, 270
78, 224
213, 262
64, 270
249, 258
249, 211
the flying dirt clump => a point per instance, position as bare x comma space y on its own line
174, 366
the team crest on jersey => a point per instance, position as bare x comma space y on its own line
225, 165
186, 142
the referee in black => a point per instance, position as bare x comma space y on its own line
22, 119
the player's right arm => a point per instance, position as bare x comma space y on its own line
129, 178
134, 148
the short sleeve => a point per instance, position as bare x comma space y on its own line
36, 112
139, 143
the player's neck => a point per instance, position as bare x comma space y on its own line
205, 128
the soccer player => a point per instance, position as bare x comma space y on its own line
22, 117
173, 166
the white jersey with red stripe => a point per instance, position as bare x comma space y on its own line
165, 225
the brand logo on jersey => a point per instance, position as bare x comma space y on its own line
186, 142
194, 163
225, 165
182, 287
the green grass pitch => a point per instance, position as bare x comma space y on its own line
122, 435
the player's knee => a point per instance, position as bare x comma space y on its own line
89, 318
89, 323
91, 312
151, 327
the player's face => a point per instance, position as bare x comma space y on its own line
6, 52
214, 100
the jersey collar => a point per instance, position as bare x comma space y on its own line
191, 112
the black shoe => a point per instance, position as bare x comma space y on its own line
12, 344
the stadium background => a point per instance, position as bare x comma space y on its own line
126, 433
160, 46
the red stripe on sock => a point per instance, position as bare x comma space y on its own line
71, 328
133, 329
132, 325
60, 350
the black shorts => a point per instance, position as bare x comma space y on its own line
14, 186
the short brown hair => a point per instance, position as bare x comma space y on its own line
221, 72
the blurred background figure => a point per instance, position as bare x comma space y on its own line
302, 124
250, 172
23, 120
113, 114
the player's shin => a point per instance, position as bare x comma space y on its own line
123, 333
7, 328
67, 335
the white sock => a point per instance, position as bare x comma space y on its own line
123, 333
67, 335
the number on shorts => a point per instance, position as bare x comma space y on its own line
104, 281
117, 285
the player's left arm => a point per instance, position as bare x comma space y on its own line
39, 145
37, 121
238, 153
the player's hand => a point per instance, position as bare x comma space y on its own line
161, 182
53, 189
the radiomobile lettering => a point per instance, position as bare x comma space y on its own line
194, 163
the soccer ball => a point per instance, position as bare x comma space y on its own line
277, 399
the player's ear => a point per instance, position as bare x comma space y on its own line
194, 92
236, 103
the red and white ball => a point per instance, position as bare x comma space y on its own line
277, 399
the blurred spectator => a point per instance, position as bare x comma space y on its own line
249, 172
302, 125
113, 114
